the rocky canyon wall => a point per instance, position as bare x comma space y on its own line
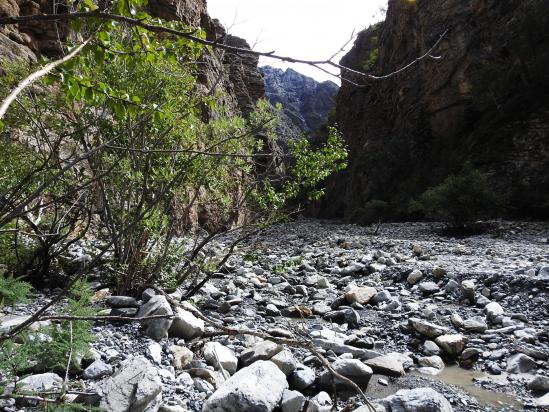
484, 101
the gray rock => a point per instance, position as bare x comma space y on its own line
451, 286
493, 310
429, 287
263, 351
468, 290
203, 386
383, 296
135, 387
147, 294
41, 383
292, 401
414, 277
320, 403
321, 308
216, 354
272, 310
154, 351
285, 361
452, 344
542, 402
302, 377
430, 348
439, 272
475, 324
340, 348
156, 328
97, 370
360, 295
122, 302
185, 325
346, 315
352, 369
390, 365
258, 387
539, 384
428, 329
431, 362
181, 356
9, 322
417, 400
520, 363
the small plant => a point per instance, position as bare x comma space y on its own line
460, 200
12, 290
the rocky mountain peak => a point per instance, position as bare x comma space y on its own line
306, 102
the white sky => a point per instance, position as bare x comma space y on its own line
305, 29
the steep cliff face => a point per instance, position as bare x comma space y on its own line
306, 103
485, 101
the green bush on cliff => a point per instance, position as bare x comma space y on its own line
460, 200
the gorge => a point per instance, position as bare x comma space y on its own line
187, 263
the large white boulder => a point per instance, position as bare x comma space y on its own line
258, 387
135, 387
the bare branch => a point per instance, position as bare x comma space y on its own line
36, 75
215, 44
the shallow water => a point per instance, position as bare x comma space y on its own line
463, 378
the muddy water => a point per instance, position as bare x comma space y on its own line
464, 378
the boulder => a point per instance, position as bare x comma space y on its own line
320, 403
493, 310
428, 329
122, 302
539, 384
216, 354
452, 344
360, 295
352, 369
185, 325
414, 277
258, 387
520, 363
302, 377
285, 361
431, 362
181, 356
468, 290
417, 400
292, 401
475, 324
263, 351
135, 387
156, 328
41, 383
97, 370
389, 365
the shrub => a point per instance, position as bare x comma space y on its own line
460, 200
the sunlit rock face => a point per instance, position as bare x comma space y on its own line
485, 100
306, 103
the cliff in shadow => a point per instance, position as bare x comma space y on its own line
484, 101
